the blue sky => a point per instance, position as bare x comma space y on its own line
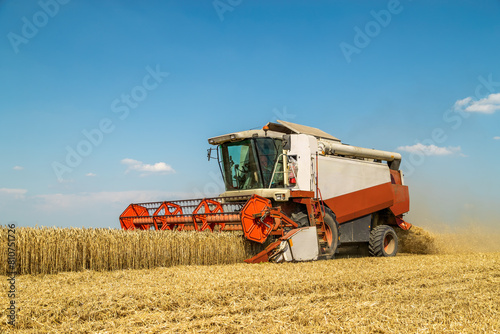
104, 103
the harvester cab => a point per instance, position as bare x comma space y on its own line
296, 189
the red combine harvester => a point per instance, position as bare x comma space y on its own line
297, 189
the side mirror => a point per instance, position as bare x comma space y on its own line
209, 153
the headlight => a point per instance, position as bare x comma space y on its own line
279, 197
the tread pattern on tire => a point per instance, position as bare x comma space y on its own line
376, 244
300, 218
336, 227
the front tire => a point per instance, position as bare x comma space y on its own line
383, 241
300, 218
330, 240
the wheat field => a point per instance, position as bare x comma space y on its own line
53, 250
404, 294
450, 284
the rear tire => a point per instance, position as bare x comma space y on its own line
383, 241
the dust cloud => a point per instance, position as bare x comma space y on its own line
471, 239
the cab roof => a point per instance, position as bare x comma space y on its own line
273, 130
292, 128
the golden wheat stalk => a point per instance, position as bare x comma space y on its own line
44, 250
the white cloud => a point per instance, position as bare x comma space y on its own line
90, 174
487, 105
462, 103
15, 193
430, 149
135, 165
18, 168
496, 138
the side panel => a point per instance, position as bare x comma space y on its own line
401, 200
401, 195
354, 188
302, 245
362, 202
357, 230
339, 176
